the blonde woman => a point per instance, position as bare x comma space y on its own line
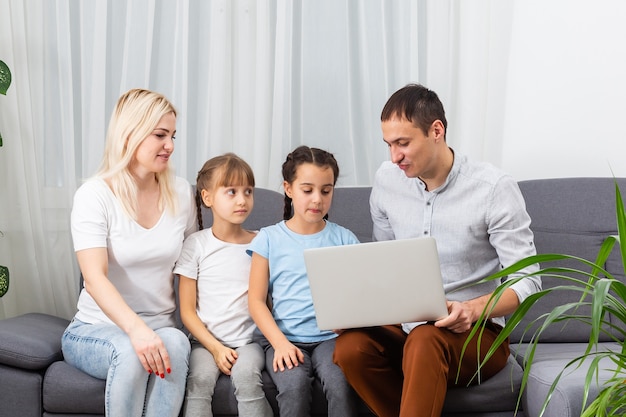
128, 225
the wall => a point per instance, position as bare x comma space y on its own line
566, 90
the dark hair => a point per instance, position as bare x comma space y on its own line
418, 105
301, 155
221, 171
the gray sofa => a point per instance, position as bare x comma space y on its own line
569, 216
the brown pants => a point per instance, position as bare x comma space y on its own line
408, 375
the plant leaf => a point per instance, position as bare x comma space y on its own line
602, 293
598, 311
621, 223
5, 78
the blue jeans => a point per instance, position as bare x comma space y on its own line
295, 385
245, 378
104, 351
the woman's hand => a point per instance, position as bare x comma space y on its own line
286, 355
148, 345
150, 350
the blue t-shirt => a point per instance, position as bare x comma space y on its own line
292, 304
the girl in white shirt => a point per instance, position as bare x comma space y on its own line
213, 289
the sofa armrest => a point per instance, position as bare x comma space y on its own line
31, 341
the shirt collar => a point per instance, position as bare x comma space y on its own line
457, 162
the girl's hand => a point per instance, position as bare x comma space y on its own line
287, 355
225, 358
151, 351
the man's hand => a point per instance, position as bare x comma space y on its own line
460, 317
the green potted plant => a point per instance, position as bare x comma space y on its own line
5, 82
599, 290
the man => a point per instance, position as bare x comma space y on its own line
477, 215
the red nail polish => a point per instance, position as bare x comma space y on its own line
149, 371
162, 376
169, 371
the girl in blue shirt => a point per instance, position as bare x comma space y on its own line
279, 297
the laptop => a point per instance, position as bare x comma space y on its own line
376, 283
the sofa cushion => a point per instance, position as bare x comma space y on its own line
31, 341
549, 360
225, 403
68, 390
20, 390
498, 393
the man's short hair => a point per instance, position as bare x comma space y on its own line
417, 104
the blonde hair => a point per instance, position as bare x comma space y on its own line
135, 116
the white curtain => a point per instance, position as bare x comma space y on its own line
257, 78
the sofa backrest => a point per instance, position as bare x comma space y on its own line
350, 209
268, 210
571, 216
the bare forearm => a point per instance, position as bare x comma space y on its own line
507, 304
265, 322
202, 334
112, 303
94, 266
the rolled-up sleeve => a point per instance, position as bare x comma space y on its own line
511, 235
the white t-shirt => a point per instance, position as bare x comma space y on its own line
222, 272
140, 260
